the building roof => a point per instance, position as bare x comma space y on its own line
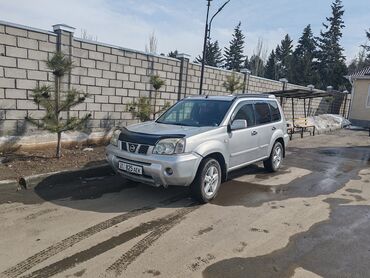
365, 72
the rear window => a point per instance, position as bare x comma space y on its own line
275, 112
262, 113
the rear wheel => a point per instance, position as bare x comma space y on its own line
273, 163
207, 182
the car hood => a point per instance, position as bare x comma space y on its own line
165, 129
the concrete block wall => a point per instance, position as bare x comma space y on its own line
113, 76
215, 78
22, 68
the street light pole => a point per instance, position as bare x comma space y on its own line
210, 22
311, 87
204, 49
207, 34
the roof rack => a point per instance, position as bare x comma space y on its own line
252, 95
235, 96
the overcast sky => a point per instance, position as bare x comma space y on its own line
179, 24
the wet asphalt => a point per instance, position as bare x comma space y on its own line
309, 220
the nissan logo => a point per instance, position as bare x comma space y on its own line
132, 147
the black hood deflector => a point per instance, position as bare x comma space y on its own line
144, 138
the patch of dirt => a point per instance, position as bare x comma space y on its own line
204, 231
241, 247
259, 230
22, 163
153, 272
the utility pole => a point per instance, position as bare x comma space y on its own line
207, 34
204, 49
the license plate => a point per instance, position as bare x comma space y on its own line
134, 169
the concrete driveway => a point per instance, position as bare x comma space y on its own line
311, 219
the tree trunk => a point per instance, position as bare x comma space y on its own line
155, 103
59, 134
59, 145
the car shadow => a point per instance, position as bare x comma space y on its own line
106, 192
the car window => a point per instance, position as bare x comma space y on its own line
246, 112
195, 112
262, 111
275, 112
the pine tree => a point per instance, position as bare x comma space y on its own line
213, 55
144, 108
283, 54
303, 60
363, 58
55, 101
157, 83
270, 68
246, 62
359, 62
366, 47
331, 61
233, 83
233, 55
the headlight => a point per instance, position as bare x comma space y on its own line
114, 139
170, 146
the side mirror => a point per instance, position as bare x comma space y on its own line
238, 124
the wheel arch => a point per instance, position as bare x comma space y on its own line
221, 160
277, 136
281, 140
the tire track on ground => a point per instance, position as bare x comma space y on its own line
68, 242
157, 226
130, 256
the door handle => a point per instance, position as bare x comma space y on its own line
254, 132
273, 128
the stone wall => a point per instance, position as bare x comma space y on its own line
113, 76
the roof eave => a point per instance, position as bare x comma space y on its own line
364, 77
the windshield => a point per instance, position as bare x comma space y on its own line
196, 112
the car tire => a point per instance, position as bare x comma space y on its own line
207, 182
273, 163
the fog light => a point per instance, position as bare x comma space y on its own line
169, 171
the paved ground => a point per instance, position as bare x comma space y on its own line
311, 219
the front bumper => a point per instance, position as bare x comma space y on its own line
184, 166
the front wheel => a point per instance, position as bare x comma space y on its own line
207, 182
273, 163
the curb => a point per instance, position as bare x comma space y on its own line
57, 177
6, 185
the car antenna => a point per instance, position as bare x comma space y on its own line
207, 96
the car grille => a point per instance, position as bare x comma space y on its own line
141, 149
124, 146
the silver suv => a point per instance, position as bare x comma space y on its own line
199, 140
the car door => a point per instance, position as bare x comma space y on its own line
264, 127
276, 118
243, 143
